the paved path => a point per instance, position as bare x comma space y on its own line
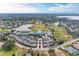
1, 43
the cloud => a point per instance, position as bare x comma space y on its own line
38, 8
69, 8
17, 8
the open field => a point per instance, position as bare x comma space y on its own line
8, 53
60, 34
3, 30
37, 27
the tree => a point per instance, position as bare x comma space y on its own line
13, 54
8, 45
51, 50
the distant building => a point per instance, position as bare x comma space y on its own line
72, 50
57, 23
23, 29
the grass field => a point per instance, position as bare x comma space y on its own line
60, 34
37, 27
5, 30
8, 53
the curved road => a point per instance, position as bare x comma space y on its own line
66, 43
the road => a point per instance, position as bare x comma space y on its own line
66, 43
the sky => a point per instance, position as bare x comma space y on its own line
66, 8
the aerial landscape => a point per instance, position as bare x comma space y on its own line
49, 29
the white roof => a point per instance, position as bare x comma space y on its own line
24, 27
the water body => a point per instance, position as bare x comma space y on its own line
34, 14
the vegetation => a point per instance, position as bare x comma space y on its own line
60, 34
3, 30
37, 27
8, 45
77, 40
9, 52
39, 53
51, 52
21, 52
66, 52
69, 45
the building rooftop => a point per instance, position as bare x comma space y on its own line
24, 27
39, 32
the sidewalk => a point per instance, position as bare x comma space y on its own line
1, 43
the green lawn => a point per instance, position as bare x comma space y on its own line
78, 40
37, 27
69, 45
60, 34
5, 30
8, 53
